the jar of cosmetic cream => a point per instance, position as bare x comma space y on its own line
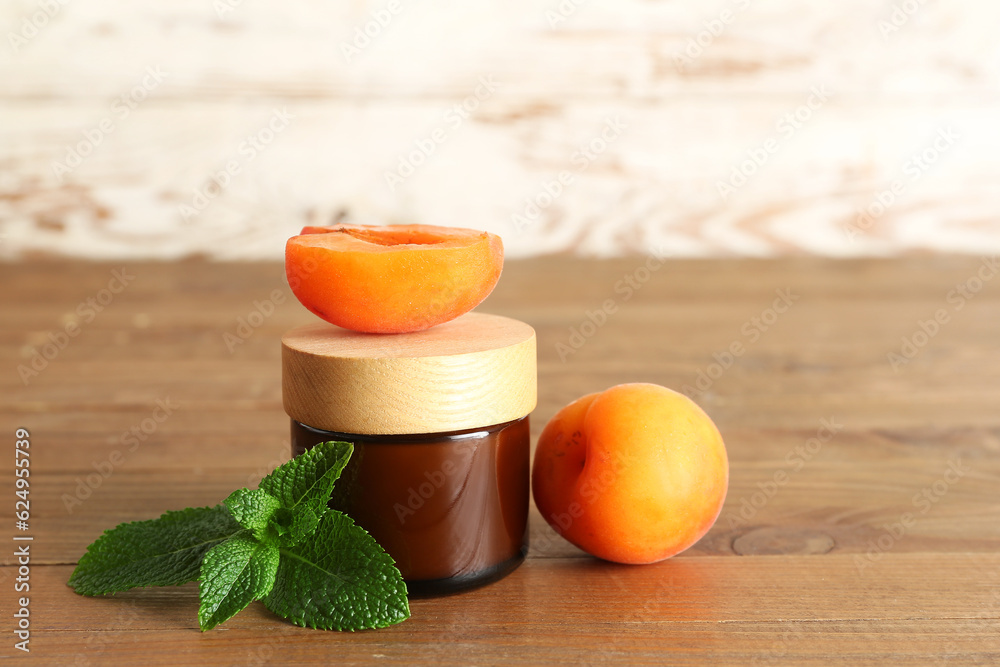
439, 423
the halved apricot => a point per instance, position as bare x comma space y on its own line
392, 278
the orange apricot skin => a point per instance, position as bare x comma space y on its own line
634, 474
392, 278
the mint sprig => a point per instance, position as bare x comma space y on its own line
234, 574
308, 479
161, 552
253, 509
279, 542
341, 560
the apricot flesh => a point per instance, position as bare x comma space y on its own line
634, 474
392, 278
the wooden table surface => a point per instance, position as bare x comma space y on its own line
863, 516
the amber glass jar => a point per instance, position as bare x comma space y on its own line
438, 419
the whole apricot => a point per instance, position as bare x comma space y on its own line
633, 474
392, 278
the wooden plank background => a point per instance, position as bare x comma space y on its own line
220, 69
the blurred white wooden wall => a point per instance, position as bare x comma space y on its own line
115, 115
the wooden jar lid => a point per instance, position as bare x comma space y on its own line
477, 370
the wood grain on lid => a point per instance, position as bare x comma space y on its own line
476, 370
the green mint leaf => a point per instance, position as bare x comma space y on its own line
303, 526
253, 509
339, 579
292, 526
308, 478
260, 512
159, 552
234, 574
